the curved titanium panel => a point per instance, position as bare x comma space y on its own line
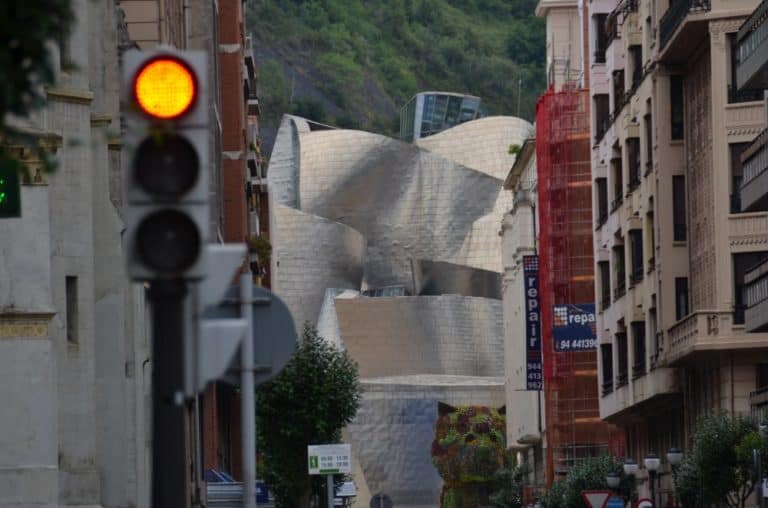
448, 334
440, 278
481, 144
311, 254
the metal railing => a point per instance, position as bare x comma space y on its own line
677, 12
620, 288
756, 284
607, 387
736, 96
637, 273
599, 56
755, 159
752, 32
616, 203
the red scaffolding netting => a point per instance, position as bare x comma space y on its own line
566, 272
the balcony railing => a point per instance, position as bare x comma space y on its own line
601, 219
607, 387
675, 15
698, 326
755, 158
599, 56
620, 288
638, 369
605, 300
637, 274
616, 202
756, 284
622, 378
651, 264
752, 32
736, 96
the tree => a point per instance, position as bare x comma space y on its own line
720, 467
309, 402
589, 474
509, 482
26, 30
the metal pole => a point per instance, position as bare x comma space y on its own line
169, 457
248, 401
329, 488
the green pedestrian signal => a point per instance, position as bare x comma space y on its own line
10, 193
313, 462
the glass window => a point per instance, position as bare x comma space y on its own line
678, 208
676, 106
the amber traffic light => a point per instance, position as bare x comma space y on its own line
165, 88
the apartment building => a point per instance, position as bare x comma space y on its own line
751, 57
672, 242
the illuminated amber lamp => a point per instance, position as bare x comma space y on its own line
165, 88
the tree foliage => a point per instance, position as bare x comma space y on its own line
720, 467
588, 474
482, 47
509, 482
27, 29
309, 402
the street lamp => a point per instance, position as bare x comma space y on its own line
675, 457
652, 463
630, 469
613, 480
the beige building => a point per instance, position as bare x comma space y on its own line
525, 423
672, 242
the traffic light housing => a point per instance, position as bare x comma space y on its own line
10, 193
165, 182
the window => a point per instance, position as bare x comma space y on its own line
681, 297
735, 94
676, 106
762, 375
737, 175
606, 355
618, 89
653, 329
636, 244
601, 191
648, 143
604, 268
619, 273
650, 235
602, 115
71, 308
678, 208
742, 263
638, 338
601, 41
633, 159
636, 53
617, 175
621, 347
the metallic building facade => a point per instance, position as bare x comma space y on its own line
393, 250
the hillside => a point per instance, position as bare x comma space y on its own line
354, 63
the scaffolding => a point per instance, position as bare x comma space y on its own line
574, 430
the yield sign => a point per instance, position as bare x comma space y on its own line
596, 498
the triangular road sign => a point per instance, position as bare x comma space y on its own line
596, 498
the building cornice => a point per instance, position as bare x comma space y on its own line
77, 96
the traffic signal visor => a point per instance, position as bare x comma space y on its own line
165, 88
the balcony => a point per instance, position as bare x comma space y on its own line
599, 56
708, 331
756, 298
758, 403
605, 300
689, 34
636, 275
607, 387
752, 50
638, 369
651, 264
616, 202
601, 219
754, 186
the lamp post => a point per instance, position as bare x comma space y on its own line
630, 469
675, 457
652, 463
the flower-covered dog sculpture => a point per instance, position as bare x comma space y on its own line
467, 451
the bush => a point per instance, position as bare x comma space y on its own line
588, 474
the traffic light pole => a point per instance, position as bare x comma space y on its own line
169, 435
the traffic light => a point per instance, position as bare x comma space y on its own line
165, 184
10, 193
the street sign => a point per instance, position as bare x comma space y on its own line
644, 503
596, 498
329, 459
274, 333
615, 502
381, 501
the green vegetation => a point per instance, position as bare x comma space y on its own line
720, 467
588, 474
27, 30
368, 57
309, 402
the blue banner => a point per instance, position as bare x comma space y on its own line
533, 370
574, 327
